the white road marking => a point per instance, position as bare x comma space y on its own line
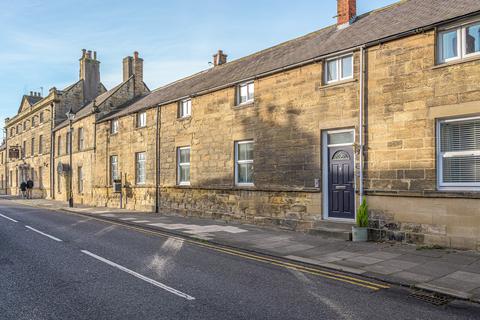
1, 215
141, 221
43, 233
126, 219
196, 229
142, 277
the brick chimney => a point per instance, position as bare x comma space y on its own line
90, 74
127, 68
346, 12
219, 58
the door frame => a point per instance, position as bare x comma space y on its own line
325, 171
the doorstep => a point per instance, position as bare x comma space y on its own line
333, 229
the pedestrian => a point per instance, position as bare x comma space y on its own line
29, 188
23, 189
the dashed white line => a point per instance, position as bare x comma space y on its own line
140, 221
1, 215
142, 277
43, 233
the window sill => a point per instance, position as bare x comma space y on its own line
456, 62
184, 118
337, 83
244, 105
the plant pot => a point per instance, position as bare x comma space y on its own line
359, 234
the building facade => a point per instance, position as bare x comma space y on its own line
297, 134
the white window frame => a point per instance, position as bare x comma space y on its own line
81, 139
183, 164
452, 186
338, 61
114, 126
250, 85
237, 162
80, 177
185, 108
142, 119
112, 171
461, 43
137, 162
40, 144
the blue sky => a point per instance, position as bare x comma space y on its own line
41, 40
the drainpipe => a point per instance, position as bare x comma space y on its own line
52, 153
157, 161
361, 128
7, 178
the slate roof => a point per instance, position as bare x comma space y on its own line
87, 109
396, 19
33, 99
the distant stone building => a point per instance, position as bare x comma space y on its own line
385, 105
28, 143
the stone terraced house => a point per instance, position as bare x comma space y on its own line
385, 105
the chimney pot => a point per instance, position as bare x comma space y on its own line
89, 54
219, 58
346, 12
31, 93
84, 52
94, 55
135, 55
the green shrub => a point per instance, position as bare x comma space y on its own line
362, 215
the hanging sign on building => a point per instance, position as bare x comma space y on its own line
14, 152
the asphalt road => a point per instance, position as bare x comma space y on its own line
55, 265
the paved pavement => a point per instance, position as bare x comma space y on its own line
449, 272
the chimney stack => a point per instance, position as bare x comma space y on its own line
346, 12
90, 74
133, 66
219, 58
31, 93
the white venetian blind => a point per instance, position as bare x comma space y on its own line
460, 151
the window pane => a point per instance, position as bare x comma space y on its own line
347, 67
332, 70
251, 91
461, 169
245, 173
472, 39
245, 151
449, 43
185, 173
460, 136
185, 155
243, 93
340, 137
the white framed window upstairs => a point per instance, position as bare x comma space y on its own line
458, 154
339, 69
245, 93
458, 42
185, 108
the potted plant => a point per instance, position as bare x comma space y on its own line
360, 231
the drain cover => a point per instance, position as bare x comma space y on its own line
432, 298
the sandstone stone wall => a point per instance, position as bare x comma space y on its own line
125, 144
84, 158
407, 94
37, 161
290, 111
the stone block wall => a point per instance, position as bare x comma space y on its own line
407, 94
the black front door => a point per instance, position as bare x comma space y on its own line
341, 193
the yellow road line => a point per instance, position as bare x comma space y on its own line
297, 267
